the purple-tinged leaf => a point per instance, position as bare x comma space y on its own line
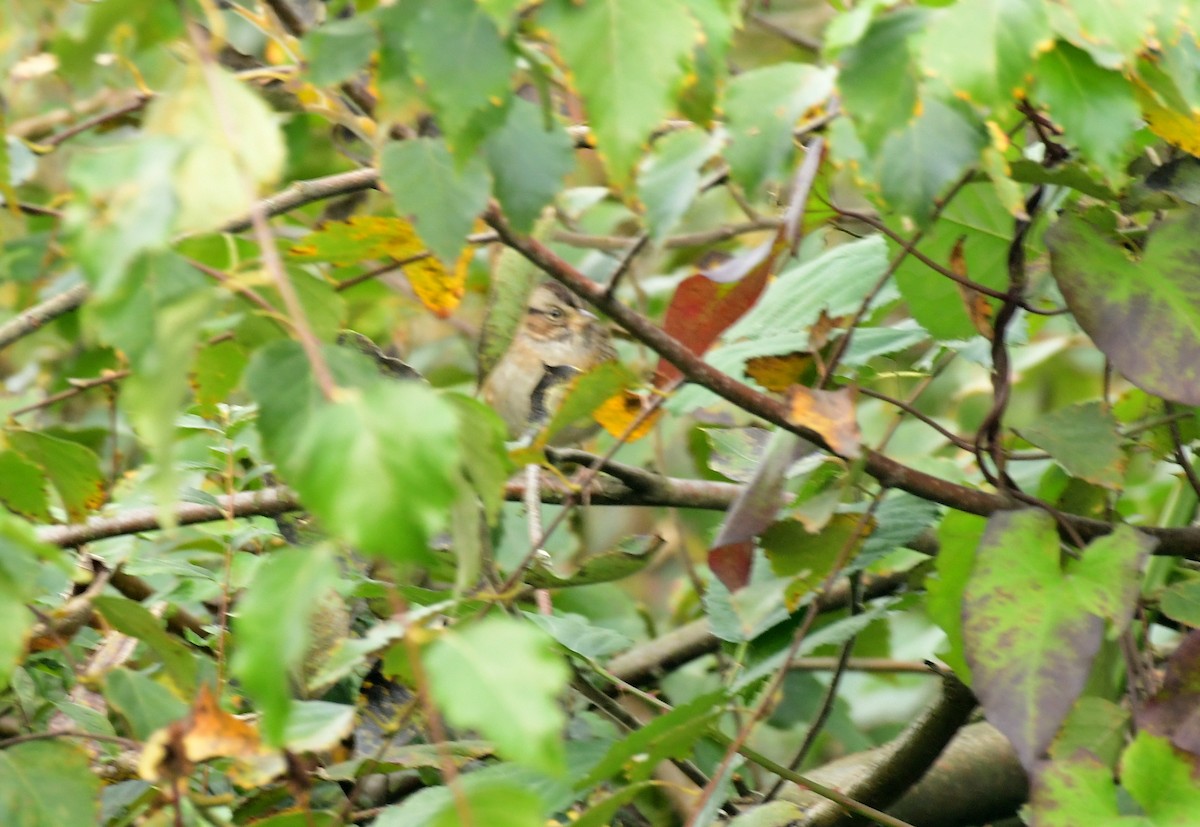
1144, 312
1032, 626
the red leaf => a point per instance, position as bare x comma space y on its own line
704, 305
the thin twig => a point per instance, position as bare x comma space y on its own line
78, 386
36, 317
139, 101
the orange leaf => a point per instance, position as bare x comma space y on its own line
210, 732
619, 411
778, 373
979, 309
830, 414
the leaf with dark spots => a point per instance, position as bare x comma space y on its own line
1143, 312
1032, 627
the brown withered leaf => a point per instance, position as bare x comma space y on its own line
979, 309
819, 333
619, 411
778, 373
830, 414
210, 732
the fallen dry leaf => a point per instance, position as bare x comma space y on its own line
830, 414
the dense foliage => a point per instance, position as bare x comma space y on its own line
909, 333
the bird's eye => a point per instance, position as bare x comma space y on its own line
555, 314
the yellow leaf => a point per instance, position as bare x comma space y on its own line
619, 411
830, 414
778, 373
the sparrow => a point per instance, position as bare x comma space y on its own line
556, 340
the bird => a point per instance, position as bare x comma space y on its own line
556, 339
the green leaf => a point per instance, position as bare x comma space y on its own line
934, 300
1083, 439
216, 372
958, 537
771, 814
1075, 791
486, 464
72, 469
457, 55
763, 107
1181, 602
528, 158
131, 184
131, 618
984, 49
442, 197
47, 783
314, 726
1143, 313
20, 552
626, 58
23, 487
219, 172
272, 629
1095, 106
145, 705
670, 735
628, 557
502, 12
379, 467
574, 632
1096, 725
669, 177
470, 675
919, 162
878, 80
1111, 33
337, 49
492, 799
1160, 780
1031, 627
401, 439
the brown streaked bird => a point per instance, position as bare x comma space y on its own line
557, 338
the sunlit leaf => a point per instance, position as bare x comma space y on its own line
1083, 439
830, 414
468, 673
626, 58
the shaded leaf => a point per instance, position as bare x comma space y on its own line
443, 198
763, 107
574, 632
1143, 313
1095, 106
1083, 439
272, 629
131, 618
72, 469
23, 487
778, 373
669, 177
1174, 710
626, 558
670, 735
528, 158
47, 783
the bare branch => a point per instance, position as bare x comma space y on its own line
36, 317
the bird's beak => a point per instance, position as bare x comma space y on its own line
587, 314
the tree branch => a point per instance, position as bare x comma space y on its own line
39, 315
